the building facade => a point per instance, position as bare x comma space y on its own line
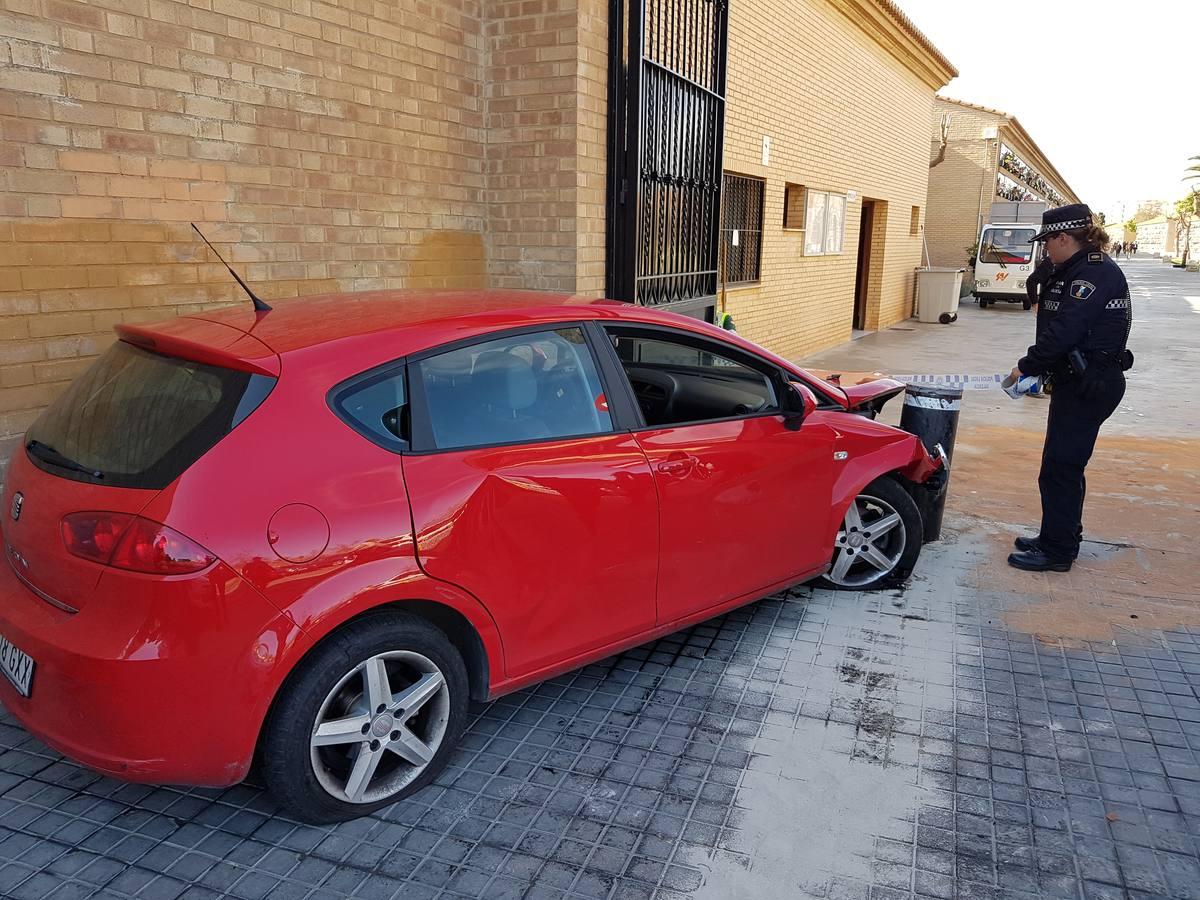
988, 157
320, 146
1163, 236
825, 136
1156, 235
348, 145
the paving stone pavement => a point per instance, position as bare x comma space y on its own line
814, 744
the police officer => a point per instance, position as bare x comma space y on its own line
1081, 349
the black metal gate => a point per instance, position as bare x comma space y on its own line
666, 134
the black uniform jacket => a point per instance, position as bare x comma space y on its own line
1087, 307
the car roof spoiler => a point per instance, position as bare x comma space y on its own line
204, 341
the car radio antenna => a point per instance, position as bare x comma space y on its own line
259, 306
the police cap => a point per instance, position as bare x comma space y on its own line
1063, 218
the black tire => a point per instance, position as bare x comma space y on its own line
876, 497
1027, 304
289, 761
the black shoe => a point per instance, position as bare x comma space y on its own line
1037, 561
1031, 545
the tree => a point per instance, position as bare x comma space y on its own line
1185, 212
1194, 170
1148, 209
1130, 226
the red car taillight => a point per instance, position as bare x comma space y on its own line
131, 542
94, 535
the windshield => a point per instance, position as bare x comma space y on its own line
138, 419
1007, 246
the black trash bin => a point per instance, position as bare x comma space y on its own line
931, 413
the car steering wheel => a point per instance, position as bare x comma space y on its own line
745, 409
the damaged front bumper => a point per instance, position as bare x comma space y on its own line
929, 492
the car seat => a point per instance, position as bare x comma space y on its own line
506, 387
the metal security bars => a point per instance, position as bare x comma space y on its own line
741, 228
666, 130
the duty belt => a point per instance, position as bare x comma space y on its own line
1103, 357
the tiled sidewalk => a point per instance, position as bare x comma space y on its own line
814, 744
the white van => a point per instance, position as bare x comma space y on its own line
1005, 259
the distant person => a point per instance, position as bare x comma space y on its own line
1081, 349
1135, 247
1116, 251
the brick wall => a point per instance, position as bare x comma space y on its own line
546, 101
961, 187
843, 115
342, 145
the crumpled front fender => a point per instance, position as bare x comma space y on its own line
872, 395
874, 449
923, 466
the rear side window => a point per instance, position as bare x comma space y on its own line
517, 389
139, 419
376, 406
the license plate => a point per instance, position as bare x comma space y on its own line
17, 665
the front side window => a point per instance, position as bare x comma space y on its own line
517, 389
680, 380
1007, 246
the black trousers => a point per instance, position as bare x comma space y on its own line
1071, 432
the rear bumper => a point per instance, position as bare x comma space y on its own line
153, 680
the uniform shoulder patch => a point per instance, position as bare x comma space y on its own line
1081, 290
1095, 257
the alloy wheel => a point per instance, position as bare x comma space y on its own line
869, 544
380, 726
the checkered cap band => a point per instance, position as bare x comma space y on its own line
1069, 225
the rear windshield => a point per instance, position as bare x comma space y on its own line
138, 419
1007, 245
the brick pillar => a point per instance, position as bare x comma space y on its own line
546, 94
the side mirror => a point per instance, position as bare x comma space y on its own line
971, 261
798, 404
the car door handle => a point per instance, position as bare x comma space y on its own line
678, 466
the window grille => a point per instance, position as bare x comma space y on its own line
741, 228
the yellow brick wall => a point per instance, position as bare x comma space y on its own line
546, 91
340, 145
843, 115
322, 146
591, 136
962, 187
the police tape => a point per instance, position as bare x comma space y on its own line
963, 382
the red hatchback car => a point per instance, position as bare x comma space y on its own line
312, 535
